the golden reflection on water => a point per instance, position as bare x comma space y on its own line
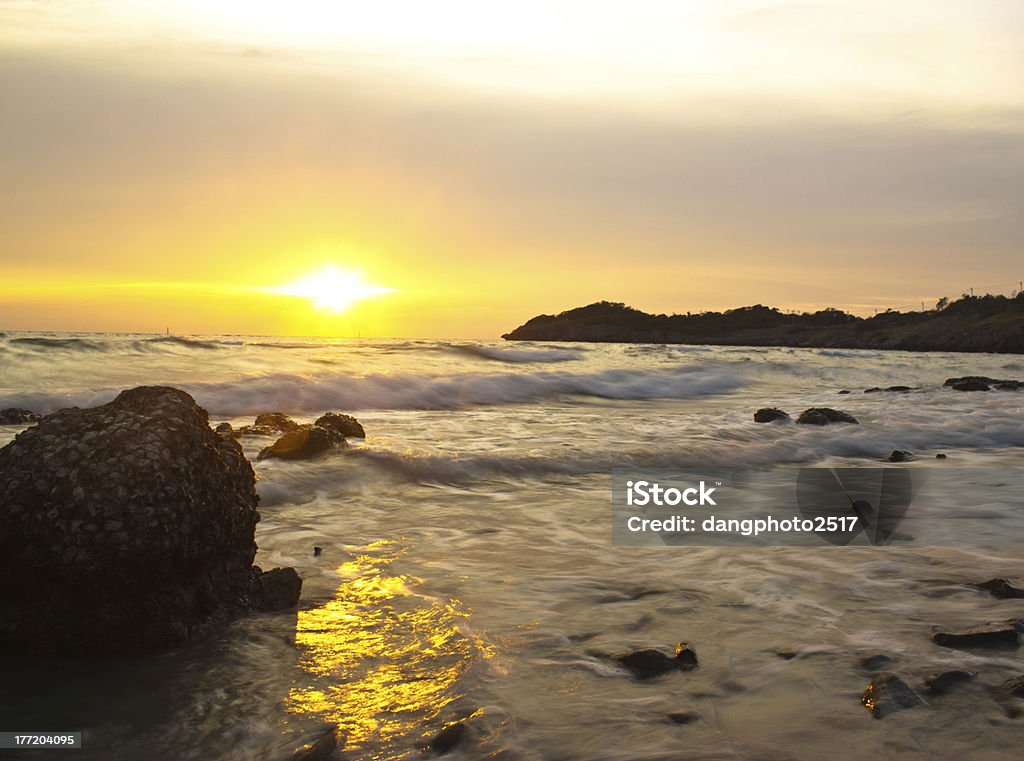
385, 660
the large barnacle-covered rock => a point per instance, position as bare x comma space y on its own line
124, 527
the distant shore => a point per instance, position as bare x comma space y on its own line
971, 324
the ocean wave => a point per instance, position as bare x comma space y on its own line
516, 355
192, 343
75, 344
298, 394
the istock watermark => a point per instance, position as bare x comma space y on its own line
882, 506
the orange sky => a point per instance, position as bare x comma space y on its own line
173, 164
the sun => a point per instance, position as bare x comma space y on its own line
332, 289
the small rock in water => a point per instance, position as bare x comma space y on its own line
1013, 687
887, 694
998, 634
1001, 588
647, 664
940, 456
769, 415
786, 655
684, 717
302, 443
970, 384
346, 425
845, 391
901, 455
939, 683
686, 657
320, 749
824, 416
17, 416
447, 738
276, 589
317, 551
225, 429
875, 662
277, 421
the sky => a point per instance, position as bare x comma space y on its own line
176, 165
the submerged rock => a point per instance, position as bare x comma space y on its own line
1013, 687
320, 749
939, 683
346, 425
302, 443
901, 455
1001, 588
887, 694
982, 383
17, 416
998, 634
446, 740
824, 416
897, 389
684, 717
769, 415
123, 527
971, 385
875, 662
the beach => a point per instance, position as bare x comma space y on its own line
465, 570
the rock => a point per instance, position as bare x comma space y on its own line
302, 443
1009, 385
448, 738
876, 389
276, 589
1013, 687
971, 385
769, 415
824, 416
686, 657
276, 421
124, 527
1001, 588
16, 416
684, 717
939, 683
346, 425
940, 456
225, 429
901, 455
786, 655
998, 634
317, 551
649, 663
978, 380
872, 390
887, 694
256, 430
320, 749
875, 662
845, 391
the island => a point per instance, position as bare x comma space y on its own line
970, 324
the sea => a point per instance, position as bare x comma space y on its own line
466, 570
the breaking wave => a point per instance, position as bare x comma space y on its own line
517, 355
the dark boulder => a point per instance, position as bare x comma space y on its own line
276, 589
346, 425
824, 416
277, 421
971, 385
940, 683
940, 456
894, 389
901, 455
1001, 588
649, 663
123, 527
998, 634
977, 380
887, 694
16, 416
769, 415
225, 429
1009, 385
302, 443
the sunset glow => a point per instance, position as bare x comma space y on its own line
332, 289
